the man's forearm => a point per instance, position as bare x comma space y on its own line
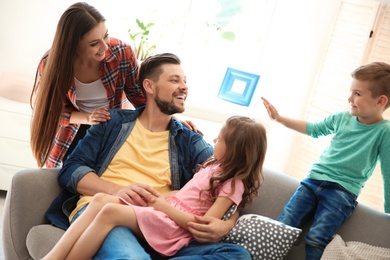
229, 223
91, 184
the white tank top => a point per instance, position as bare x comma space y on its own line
90, 96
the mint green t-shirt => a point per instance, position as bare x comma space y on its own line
353, 153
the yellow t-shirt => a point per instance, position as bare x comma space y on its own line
143, 158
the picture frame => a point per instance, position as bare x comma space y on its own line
238, 86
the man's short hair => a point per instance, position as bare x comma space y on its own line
151, 67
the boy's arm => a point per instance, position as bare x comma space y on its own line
385, 171
297, 125
217, 210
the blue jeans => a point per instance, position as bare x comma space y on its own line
121, 243
212, 251
328, 203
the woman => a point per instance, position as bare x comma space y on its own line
84, 73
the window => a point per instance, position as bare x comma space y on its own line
211, 35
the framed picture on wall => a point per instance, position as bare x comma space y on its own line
238, 86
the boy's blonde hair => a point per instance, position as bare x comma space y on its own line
378, 73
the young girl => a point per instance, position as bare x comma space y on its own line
231, 177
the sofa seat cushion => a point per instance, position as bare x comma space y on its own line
338, 249
41, 239
263, 237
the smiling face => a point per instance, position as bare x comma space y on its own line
171, 89
365, 107
94, 44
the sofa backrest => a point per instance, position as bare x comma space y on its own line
366, 225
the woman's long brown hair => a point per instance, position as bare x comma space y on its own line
246, 146
49, 92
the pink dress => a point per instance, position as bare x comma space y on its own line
162, 233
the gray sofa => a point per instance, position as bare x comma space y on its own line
26, 234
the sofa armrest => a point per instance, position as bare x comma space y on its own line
29, 196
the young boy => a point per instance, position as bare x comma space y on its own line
361, 139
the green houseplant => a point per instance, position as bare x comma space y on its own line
140, 39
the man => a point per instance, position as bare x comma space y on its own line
137, 155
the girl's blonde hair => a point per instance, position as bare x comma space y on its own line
51, 90
246, 146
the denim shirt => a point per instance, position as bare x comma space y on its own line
95, 151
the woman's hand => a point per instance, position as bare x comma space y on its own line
189, 124
98, 116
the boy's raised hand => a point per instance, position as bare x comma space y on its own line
297, 125
272, 112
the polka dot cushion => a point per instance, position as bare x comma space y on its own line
263, 237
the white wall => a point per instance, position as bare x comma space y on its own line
27, 30
287, 65
291, 58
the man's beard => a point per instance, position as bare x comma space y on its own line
167, 107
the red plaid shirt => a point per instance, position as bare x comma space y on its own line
119, 75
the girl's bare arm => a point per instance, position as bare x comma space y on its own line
217, 210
